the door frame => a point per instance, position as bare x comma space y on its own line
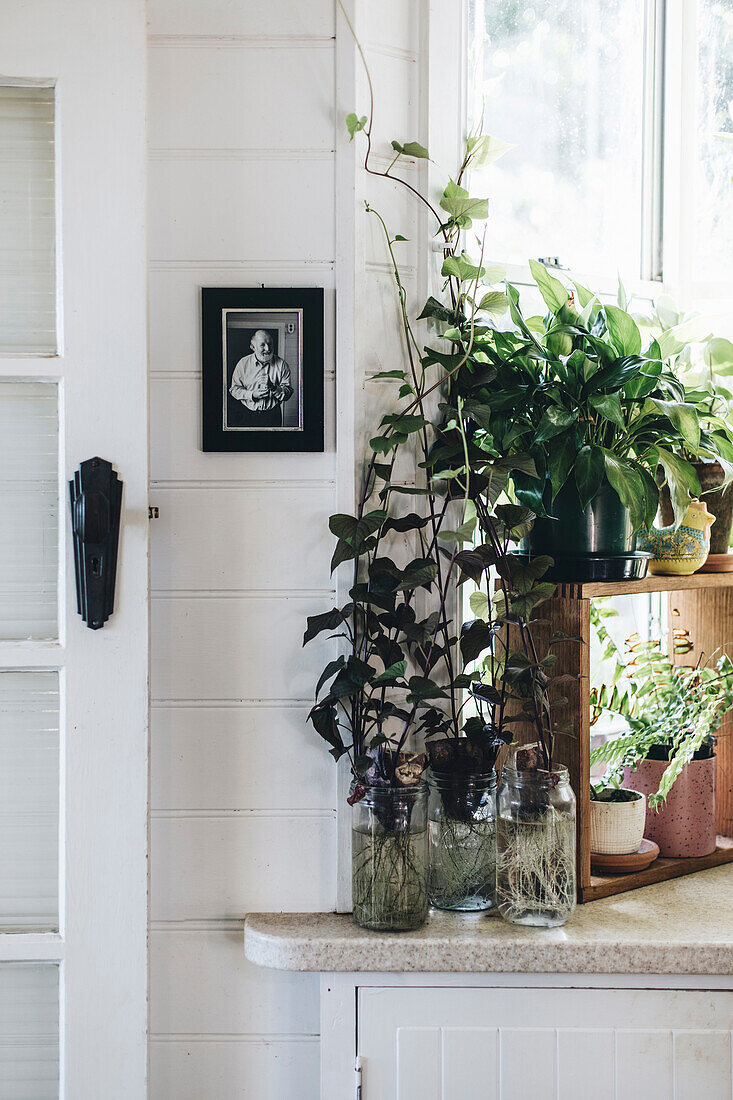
94, 53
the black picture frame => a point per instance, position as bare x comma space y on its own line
290, 416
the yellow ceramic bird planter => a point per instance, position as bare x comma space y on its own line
681, 552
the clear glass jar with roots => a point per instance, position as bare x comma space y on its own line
462, 841
389, 854
535, 876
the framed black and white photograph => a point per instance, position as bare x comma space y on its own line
262, 368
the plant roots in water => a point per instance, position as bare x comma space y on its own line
462, 863
389, 877
536, 869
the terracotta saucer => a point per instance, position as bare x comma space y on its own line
717, 563
639, 860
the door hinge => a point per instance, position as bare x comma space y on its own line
153, 511
357, 1075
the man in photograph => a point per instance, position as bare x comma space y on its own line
261, 383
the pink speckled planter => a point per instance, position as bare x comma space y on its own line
685, 826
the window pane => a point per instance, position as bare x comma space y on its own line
29, 508
29, 1031
714, 161
29, 801
27, 221
563, 81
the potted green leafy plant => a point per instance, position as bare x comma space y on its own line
671, 713
399, 685
510, 677
372, 704
574, 391
375, 701
704, 363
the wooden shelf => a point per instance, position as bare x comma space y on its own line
701, 604
584, 590
602, 886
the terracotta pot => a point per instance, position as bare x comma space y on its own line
719, 502
617, 828
685, 825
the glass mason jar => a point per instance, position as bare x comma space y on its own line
535, 840
462, 841
389, 858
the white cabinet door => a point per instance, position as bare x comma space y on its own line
73, 701
544, 1044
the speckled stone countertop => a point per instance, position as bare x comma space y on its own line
683, 926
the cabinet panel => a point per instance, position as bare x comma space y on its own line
470, 1054
644, 1064
418, 1062
441, 1043
703, 1064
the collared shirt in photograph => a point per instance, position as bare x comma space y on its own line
250, 375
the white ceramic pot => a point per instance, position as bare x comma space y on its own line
617, 828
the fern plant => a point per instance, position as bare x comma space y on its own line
675, 708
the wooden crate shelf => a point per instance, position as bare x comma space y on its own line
703, 604
602, 886
698, 581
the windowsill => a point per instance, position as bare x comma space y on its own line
684, 926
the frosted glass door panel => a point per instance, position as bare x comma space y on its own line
29, 801
27, 222
29, 1031
29, 506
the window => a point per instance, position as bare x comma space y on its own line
714, 160
548, 76
621, 114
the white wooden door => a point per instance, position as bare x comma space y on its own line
73, 701
547, 1044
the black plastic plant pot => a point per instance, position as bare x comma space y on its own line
603, 528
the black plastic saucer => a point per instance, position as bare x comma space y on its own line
597, 567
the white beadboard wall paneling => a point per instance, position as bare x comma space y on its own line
394, 25
252, 19
349, 252
222, 866
201, 983
175, 307
246, 648
224, 757
228, 1067
265, 538
389, 351
175, 442
217, 209
398, 208
396, 81
217, 99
